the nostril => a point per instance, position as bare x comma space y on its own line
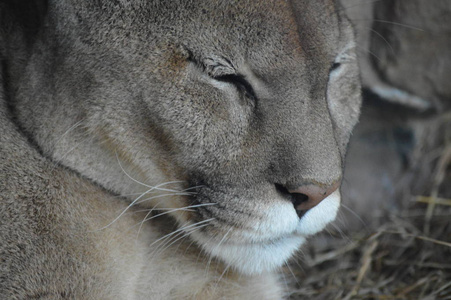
296, 198
308, 195
315, 194
299, 200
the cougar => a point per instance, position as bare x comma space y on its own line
169, 149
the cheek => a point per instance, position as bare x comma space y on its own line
206, 125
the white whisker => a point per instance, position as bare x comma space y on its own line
355, 215
160, 196
217, 246
398, 24
179, 209
222, 275
162, 184
369, 51
382, 37
130, 205
144, 219
143, 184
359, 4
60, 158
291, 271
165, 246
181, 229
185, 231
69, 130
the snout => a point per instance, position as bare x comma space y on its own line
308, 195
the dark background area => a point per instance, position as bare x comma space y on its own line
392, 239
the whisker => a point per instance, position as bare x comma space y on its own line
220, 277
390, 22
398, 24
291, 271
179, 209
369, 51
341, 232
203, 251
192, 188
123, 212
57, 164
285, 281
355, 215
186, 234
143, 184
382, 37
183, 209
69, 130
180, 229
176, 191
359, 4
185, 231
179, 191
216, 247
130, 205
160, 196
340, 220
144, 219
126, 195
296, 259
169, 190
190, 244
168, 210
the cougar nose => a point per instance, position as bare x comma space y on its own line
309, 195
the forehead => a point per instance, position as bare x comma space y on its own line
296, 26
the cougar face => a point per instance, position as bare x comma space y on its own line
248, 104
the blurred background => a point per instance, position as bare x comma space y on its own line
392, 239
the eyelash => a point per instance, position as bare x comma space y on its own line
240, 82
237, 80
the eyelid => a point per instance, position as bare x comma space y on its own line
335, 66
239, 81
221, 69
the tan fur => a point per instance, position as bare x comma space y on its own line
102, 101
54, 247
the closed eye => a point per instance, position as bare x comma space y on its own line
240, 82
335, 66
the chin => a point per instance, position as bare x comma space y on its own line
251, 255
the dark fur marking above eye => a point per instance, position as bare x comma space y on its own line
240, 82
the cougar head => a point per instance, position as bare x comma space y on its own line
247, 104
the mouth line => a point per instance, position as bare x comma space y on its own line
255, 238
267, 242
252, 258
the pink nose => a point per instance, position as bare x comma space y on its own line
310, 195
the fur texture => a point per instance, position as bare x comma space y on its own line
193, 110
